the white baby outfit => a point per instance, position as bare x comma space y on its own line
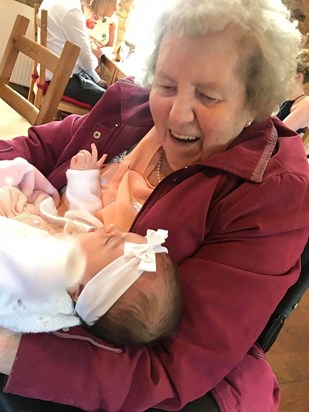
35, 277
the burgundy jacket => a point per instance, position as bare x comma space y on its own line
237, 221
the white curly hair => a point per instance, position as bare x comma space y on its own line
270, 36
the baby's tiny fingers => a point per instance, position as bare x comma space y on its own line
94, 153
101, 160
84, 152
73, 162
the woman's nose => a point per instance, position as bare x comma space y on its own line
182, 110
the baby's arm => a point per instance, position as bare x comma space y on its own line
34, 263
9, 342
83, 189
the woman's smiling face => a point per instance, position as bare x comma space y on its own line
198, 98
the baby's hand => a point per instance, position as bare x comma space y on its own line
85, 160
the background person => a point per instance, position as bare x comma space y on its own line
66, 21
101, 24
294, 112
228, 182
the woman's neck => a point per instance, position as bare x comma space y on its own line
298, 91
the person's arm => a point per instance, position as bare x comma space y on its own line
9, 342
34, 263
49, 147
299, 117
230, 286
112, 33
74, 26
83, 191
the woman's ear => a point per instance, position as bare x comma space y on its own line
300, 77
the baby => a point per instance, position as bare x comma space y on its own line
33, 300
41, 274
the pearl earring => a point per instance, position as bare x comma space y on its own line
248, 123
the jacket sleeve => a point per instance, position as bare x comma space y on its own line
49, 147
44, 144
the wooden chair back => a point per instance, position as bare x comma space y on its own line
38, 77
35, 94
61, 67
110, 70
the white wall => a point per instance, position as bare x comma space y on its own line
8, 12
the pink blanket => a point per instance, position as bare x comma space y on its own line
22, 189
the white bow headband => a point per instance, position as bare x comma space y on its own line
102, 291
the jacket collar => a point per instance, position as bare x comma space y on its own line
248, 156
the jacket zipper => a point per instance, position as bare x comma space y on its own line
165, 186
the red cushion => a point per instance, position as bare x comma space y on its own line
68, 99
64, 98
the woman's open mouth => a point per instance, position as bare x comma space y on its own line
182, 138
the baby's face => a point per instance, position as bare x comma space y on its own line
108, 245
115, 240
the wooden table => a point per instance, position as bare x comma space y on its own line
111, 70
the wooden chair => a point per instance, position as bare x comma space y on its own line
110, 69
61, 67
38, 85
35, 93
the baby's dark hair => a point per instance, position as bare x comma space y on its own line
147, 311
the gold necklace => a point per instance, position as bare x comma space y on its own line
159, 165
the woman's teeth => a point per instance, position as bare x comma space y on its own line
183, 137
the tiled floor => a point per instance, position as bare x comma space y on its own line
11, 123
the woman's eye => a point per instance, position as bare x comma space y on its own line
207, 98
167, 88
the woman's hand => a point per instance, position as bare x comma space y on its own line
9, 342
102, 83
85, 160
97, 52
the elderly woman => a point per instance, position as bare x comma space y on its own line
228, 181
